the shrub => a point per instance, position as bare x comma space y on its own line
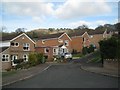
90, 49
84, 50
40, 58
18, 61
32, 59
109, 48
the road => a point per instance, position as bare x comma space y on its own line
66, 76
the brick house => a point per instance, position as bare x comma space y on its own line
87, 38
19, 48
79, 40
5, 58
96, 36
54, 44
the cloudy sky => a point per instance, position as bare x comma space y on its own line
35, 14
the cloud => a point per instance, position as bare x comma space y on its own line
32, 9
79, 23
90, 24
76, 8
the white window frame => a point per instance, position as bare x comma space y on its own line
43, 41
25, 57
16, 56
54, 50
60, 40
26, 45
46, 49
5, 58
14, 44
67, 42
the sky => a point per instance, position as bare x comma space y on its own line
34, 14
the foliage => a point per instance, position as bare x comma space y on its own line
40, 58
20, 30
109, 48
36, 58
18, 61
32, 60
87, 50
84, 50
91, 49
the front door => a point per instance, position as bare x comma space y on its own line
14, 57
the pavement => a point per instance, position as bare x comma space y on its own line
24, 74
101, 70
96, 67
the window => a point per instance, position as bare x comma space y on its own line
43, 41
26, 46
91, 36
5, 57
60, 41
55, 50
25, 57
66, 43
84, 39
14, 44
46, 50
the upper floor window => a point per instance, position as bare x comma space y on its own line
84, 39
46, 50
60, 41
66, 43
14, 44
5, 57
26, 46
91, 36
43, 41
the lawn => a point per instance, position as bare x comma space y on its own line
4, 74
77, 56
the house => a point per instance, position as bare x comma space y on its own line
20, 47
86, 38
5, 40
5, 58
96, 36
54, 44
79, 40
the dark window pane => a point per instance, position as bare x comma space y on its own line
12, 43
16, 44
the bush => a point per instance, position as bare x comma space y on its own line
109, 48
84, 50
32, 60
90, 49
40, 58
87, 50
36, 58
18, 61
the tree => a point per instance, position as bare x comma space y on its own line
84, 50
51, 29
82, 27
20, 30
109, 48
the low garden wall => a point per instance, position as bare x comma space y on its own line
111, 63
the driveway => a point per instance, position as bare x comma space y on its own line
66, 76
